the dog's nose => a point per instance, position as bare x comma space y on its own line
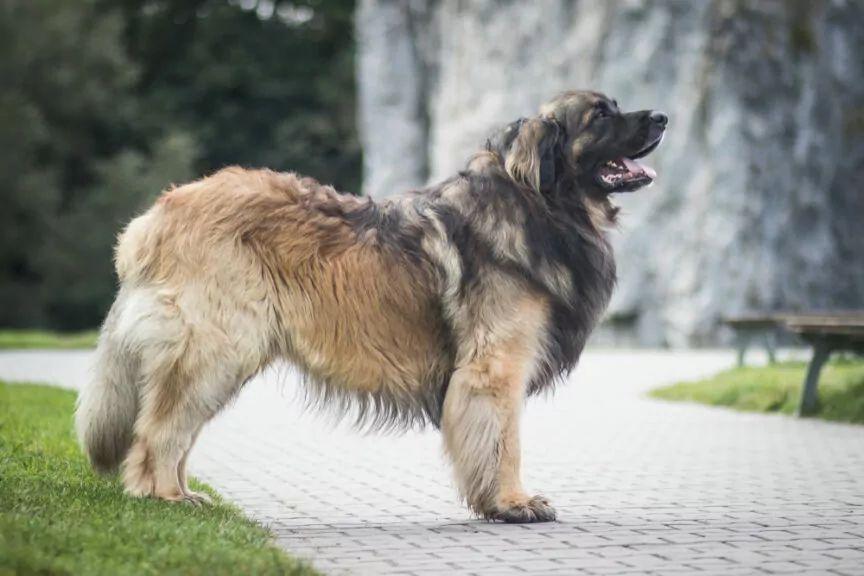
659, 117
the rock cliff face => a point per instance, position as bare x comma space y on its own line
759, 204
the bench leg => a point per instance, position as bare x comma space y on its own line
741, 343
771, 347
821, 352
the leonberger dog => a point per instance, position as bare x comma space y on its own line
446, 306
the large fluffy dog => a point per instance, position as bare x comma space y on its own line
446, 305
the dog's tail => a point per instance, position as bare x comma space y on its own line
108, 405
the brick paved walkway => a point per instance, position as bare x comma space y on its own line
641, 487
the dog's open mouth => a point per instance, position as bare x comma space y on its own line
626, 174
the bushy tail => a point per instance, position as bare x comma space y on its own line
108, 405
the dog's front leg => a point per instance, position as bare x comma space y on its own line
481, 434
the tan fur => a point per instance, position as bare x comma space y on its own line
232, 272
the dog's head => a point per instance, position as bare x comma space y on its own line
584, 137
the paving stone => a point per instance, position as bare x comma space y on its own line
641, 487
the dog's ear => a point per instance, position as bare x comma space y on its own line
501, 140
532, 156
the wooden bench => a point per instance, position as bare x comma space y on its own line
826, 333
750, 327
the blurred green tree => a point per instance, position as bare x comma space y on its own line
106, 102
79, 269
258, 82
67, 108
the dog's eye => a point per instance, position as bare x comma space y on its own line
602, 112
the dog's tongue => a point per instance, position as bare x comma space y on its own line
637, 168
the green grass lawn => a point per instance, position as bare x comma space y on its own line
777, 388
24, 339
58, 517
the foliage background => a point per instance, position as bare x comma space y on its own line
105, 103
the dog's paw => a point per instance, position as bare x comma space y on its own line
197, 498
536, 509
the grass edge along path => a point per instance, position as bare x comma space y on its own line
11, 339
777, 388
58, 517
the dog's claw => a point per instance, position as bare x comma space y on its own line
197, 498
537, 509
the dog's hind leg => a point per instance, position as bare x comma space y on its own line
175, 406
170, 421
194, 497
189, 371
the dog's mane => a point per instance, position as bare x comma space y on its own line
564, 255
